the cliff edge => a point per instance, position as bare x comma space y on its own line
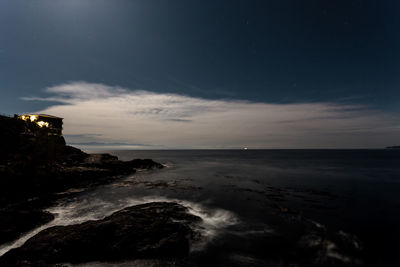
35, 165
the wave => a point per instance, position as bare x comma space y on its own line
76, 212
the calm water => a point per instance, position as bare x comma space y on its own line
356, 191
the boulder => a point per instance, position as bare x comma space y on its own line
152, 230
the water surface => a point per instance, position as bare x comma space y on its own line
352, 191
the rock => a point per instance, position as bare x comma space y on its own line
73, 155
97, 159
107, 161
144, 164
19, 219
152, 230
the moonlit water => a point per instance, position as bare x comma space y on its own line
354, 191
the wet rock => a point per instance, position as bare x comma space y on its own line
152, 230
19, 219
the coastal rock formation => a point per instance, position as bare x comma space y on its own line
34, 162
152, 230
36, 165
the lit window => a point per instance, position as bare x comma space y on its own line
33, 118
42, 123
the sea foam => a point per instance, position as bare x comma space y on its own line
214, 220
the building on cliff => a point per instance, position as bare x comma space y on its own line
53, 124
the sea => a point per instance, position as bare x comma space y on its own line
240, 193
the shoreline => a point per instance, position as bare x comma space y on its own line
36, 166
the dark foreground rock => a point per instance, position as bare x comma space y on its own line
17, 218
152, 230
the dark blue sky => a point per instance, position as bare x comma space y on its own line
285, 51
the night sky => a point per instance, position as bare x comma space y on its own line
274, 53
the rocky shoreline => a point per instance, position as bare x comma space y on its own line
36, 169
130, 233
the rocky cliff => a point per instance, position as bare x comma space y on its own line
35, 165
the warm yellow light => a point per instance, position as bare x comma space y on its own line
42, 123
33, 118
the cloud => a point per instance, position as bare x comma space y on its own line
108, 114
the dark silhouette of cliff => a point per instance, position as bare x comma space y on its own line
36, 165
